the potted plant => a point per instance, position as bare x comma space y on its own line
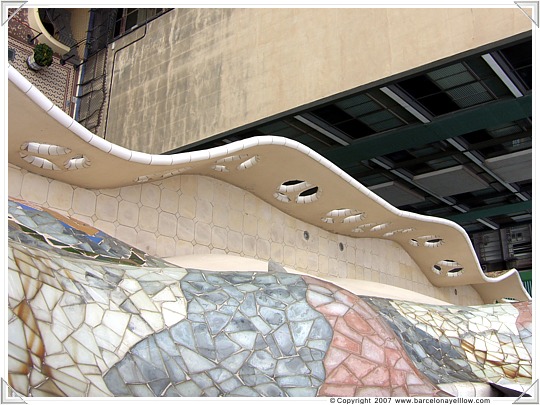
42, 57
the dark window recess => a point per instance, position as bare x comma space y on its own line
400, 156
519, 57
477, 136
335, 116
332, 114
355, 129
425, 92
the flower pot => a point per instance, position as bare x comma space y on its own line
30, 61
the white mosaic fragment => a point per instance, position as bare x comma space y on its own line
117, 297
39, 308
75, 314
41, 266
480, 344
101, 363
130, 339
172, 315
94, 314
59, 360
26, 268
143, 302
69, 390
106, 338
317, 299
36, 378
51, 295
59, 317
36, 360
19, 382
12, 302
177, 274
526, 370
116, 321
98, 295
50, 339
508, 329
18, 353
473, 327
93, 391
16, 367
79, 353
30, 286
138, 326
73, 371
15, 289
135, 273
51, 281
154, 319
522, 353
164, 295
153, 276
175, 288
68, 383
494, 357
85, 336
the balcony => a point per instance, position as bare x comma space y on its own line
64, 30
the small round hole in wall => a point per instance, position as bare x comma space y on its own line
306, 235
341, 247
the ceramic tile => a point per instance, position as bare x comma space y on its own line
145, 327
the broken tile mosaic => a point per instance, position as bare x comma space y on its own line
89, 315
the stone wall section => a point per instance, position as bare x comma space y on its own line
185, 215
194, 73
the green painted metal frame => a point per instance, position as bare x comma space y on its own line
449, 126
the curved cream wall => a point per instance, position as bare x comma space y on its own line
192, 214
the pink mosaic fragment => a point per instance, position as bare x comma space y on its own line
373, 352
358, 323
342, 327
339, 390
345, 343
364, 358
341, 375
379, 377
334, 308
334, 357
359, 366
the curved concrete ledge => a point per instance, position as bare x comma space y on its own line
282, 172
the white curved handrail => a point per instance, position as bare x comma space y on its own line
203, 162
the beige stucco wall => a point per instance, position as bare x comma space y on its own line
200, 72
190, 214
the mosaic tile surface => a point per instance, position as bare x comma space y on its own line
248, 334
40, 227
91, 316
490, 343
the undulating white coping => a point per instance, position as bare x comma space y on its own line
210, 155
